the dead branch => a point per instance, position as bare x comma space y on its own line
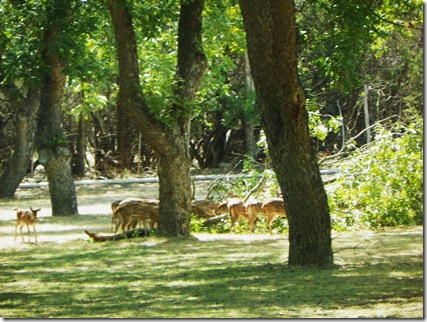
215, 220
140, 232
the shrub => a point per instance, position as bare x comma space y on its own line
381, 184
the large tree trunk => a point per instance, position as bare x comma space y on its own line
25, 128
271, 38
170, 141
174, 194
53, 147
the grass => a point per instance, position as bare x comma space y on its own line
379, 274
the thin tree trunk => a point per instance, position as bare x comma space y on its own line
25, 129
271, 38
123, 139
79, 157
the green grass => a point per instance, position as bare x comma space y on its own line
379, 274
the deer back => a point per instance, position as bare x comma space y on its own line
274, 206
138, 209
254, 208
204, 208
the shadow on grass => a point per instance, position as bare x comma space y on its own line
159, 278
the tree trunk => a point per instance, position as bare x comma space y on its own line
53, 147
25, 129
79, 156
174, 194
251, 148
271, 38
170, 141
124, 146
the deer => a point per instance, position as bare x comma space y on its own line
272, 208
131, 224
133, 210
253, 209
235, 208
204, 208
25, 217
114, 218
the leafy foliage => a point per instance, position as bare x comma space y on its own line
382, 184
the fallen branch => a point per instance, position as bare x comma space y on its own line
140, 232
215, 220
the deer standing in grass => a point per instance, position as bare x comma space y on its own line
253, 209
204, 208
133, 210
236, 209
131, 224
273, 208
28, 218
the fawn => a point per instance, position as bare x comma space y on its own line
236, 209
25, 217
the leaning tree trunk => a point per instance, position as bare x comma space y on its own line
271, 40
170, 141
53, 147
25, 128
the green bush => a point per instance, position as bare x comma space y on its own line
381, 184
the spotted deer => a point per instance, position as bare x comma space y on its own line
236, 209
114, 218
133, 210
28, 218
273, 208
204, 208
253, 209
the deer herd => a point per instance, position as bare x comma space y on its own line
131, 212
128, 213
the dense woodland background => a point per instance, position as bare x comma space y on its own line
342, 47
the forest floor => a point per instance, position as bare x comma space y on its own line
378, 273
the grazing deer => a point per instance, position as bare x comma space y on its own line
204, 208
253, 209
25, 217
272, 208
235, 208
114, 218
131, 224
133, 210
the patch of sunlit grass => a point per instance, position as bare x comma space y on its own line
379, 274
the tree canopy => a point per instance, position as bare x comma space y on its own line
192, 81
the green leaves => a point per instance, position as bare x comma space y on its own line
382, 184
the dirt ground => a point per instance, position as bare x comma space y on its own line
91, 199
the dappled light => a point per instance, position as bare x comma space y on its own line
378, 274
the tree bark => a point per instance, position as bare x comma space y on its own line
53, 147
124, 143
79, 155
169, 139
25, 128
271, 40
